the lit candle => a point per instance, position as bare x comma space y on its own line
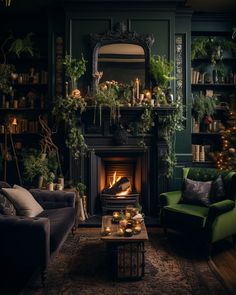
137, 229
116, 216
128, 232
107, 231
137, 88
148, 95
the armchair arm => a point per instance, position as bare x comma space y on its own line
25, 242
221, 207
170, 198
54, 199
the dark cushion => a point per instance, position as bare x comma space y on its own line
6, 207
217, 190
4, 184
196, 192
61, 221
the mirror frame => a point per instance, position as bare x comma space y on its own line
120, 34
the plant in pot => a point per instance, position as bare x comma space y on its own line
204, 107
161, 71
74, 69
35, 166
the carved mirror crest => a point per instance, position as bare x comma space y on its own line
122, 55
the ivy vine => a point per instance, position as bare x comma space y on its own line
67, 110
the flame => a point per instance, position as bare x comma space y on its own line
114, 180
124, 193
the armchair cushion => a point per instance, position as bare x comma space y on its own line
196, 192
23, 201
185, 216
217, 190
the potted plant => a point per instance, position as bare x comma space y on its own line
74, 69
161, 71
35, 166
203, 109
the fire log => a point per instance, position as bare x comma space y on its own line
121, 185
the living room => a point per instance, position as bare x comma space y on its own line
110, 108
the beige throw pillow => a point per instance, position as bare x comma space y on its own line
23, 201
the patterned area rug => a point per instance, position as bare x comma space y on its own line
174, 265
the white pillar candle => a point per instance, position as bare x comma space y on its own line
137, 87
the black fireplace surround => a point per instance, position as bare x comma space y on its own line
121, 144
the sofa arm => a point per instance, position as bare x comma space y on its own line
25, 242
170, 198
54, 199
221, 207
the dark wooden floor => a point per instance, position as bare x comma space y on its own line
224, 259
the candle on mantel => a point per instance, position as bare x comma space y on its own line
137, 85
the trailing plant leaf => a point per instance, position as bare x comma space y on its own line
22, 45
67, 109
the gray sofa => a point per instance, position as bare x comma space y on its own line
28, 243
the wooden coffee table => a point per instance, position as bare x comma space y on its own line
127, 253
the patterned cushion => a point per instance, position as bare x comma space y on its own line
6, 207
196, 192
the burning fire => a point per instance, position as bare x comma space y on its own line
114, 180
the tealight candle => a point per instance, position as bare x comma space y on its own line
137, 229
116, 215
107, 231
128, 232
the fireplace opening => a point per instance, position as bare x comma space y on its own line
120, 183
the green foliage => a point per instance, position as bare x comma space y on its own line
175, 122
198, 47
74, 68
161, 70
34, 165
67, 109
5, 77
233, 33
203, 106
211, 47
81, 188
22, 45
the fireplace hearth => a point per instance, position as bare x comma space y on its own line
142, 169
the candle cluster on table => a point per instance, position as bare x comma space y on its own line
130, 223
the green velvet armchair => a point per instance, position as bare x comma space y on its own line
213, 222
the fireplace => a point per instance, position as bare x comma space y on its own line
143, 168
120, 183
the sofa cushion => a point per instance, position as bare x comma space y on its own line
196, 192
23, 201
61, 221
217, 190
6, 207
185, 216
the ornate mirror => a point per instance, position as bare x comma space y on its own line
122, 55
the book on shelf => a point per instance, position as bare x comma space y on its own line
198, 153
195, 126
